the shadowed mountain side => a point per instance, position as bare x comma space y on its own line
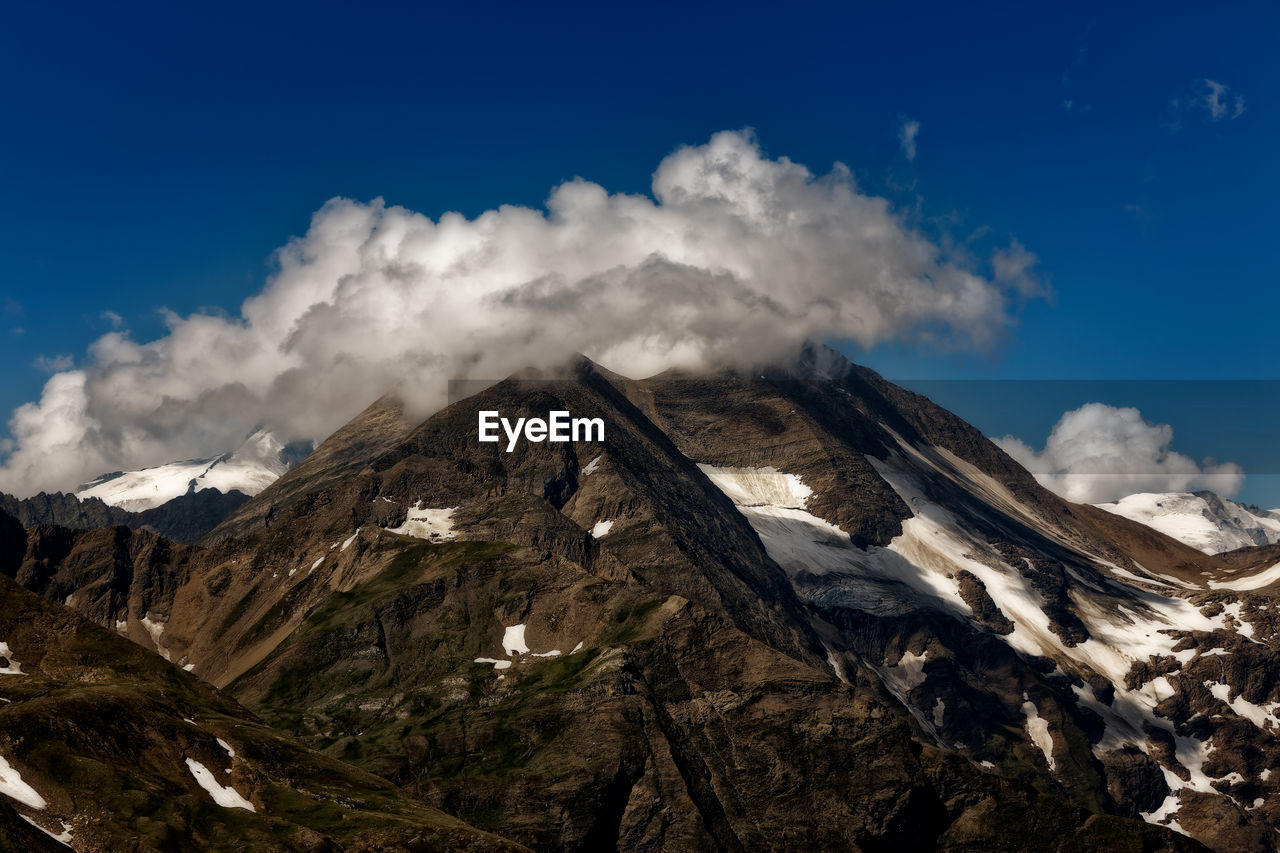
184, 519
125, 751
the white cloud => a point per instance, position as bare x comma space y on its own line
1014, 269
736, 258
1100, 453
54, 364
113, 319
1218, 100
907, 135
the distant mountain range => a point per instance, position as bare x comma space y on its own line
255, 464
1202, 520
797, 609
182, 501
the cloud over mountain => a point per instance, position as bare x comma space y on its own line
1100, 453
736, 258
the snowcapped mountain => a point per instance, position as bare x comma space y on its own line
250, 468
1203, 520
800, 608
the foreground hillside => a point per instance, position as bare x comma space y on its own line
106, 747
804, 608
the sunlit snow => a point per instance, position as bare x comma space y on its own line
11, 667
63, 838
226, 797
513, 641
1211, 524
601, 528
427, 523
11, 785
252, 467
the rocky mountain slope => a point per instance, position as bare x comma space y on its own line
106, 747
184, 519
1203, 520
797, 608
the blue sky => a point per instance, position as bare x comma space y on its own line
155, 157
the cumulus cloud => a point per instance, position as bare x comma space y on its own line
907, 135
735, 258
1099, 453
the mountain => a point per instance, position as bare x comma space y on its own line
370, 434
255, 464
185, 519
104, 747
1203, 520
796, 608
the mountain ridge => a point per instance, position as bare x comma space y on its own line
823, 571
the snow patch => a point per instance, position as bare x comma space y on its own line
799, 541
907, 674
63, 838
835, 664
592, 466
497, 664
427, 523
11, 785
347, 544
11, 667
1242, 707
1038, 731
226, 797
513, 641
601, 528
231, 753
1263, 578
156, 630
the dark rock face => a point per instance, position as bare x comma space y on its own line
184, 519
588, 646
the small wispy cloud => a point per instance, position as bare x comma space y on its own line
1216, 101
116, 321
54, 364
1014, 268
1219, 101
907, 135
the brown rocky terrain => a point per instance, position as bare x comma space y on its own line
796, 608
110, 748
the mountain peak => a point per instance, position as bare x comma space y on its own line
1204, 520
